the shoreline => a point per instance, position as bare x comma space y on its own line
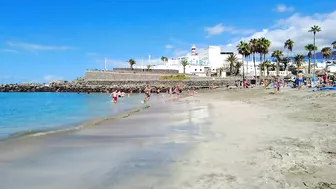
82, 125
71, 128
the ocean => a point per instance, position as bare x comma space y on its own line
29, 112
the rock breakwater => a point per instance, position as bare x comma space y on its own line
103, 86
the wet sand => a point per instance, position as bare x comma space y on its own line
220, 139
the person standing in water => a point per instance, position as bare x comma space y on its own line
114, 96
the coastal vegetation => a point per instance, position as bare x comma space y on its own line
245, 50
262, 45
164, 59
326, 54
175, 77
233, 60
149, 67
315, 29
298, 60
289, 44
254, 49
184, 64
277, 54
131, 63
310, 48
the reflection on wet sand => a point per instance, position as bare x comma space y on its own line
136, 152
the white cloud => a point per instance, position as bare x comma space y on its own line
283, 8
49, 78
215, 30
219, 29
30, 46
169, 46
296, 28
9, 50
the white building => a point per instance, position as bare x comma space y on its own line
206, 61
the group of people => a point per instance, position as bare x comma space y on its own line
148, 93
118, 94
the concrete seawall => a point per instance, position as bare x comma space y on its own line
115, 76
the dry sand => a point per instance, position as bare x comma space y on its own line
219, 139
257, 139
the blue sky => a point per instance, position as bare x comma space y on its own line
56, 39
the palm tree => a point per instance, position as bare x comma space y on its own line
254, 49
278, 55
298, 60
289, 44
326, 53
315, 29
267, 64
263, 46
149, 67
184, 63
164, 59
237, 67
310, 48
243, 49
131, 62
232, 59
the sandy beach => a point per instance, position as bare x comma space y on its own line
222, 138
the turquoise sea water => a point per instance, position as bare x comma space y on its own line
20, 112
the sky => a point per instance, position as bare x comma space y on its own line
41, 40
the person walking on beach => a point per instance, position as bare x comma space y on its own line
147, 94
244, 84
300, 79
277, 85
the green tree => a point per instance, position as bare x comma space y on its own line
254, 49
243, 49
298, 60
232, 59
263, 46
289, 44
326, 53
237, 67
149, 67
266, 65
164, 59
184, 63
131, 63
277, 54
310, 48
314, 29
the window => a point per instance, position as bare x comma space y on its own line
200, 69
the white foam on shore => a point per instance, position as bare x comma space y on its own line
58, 131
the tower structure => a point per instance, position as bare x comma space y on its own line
193, 50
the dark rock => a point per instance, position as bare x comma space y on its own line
104, 86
